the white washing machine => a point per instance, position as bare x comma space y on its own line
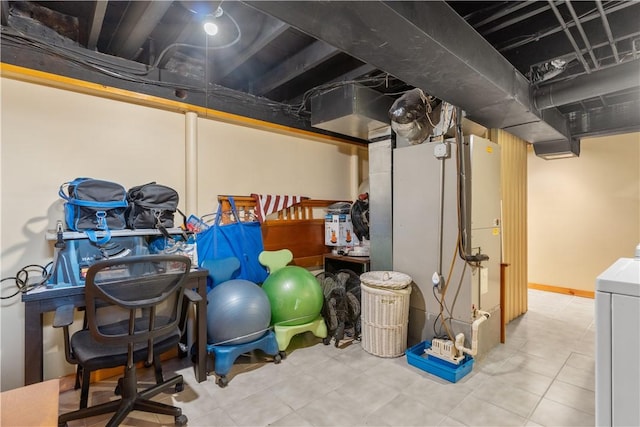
618, 343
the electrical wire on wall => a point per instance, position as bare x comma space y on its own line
460, 252
25, 282
445, 321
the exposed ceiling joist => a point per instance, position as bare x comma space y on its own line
472, 54
172, 35
140, 20
308, 58
445, 57
96, 24
515, 20
4, 12
271, 32
513, 7
607, 29
356, 73
563, 24
585, 38
523, 52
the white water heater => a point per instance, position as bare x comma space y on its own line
618, 343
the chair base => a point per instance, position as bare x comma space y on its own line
284, 333
131, 401
226, 355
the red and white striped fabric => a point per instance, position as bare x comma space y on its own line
267, 204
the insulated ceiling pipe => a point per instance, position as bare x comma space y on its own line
602, 82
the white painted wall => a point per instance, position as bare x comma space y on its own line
240, 160
50, 136
584, 213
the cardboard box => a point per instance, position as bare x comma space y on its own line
338, 230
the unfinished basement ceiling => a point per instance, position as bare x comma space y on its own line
542, 70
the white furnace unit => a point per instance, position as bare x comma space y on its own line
618, 343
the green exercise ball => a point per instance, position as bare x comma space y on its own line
295, 296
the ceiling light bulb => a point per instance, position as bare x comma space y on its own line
210, 28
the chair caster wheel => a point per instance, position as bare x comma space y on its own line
181, 420
283, 354
179, 387
326, 341
277, 358
118, 390
222, 381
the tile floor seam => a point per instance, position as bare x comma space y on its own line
454, 408
524, 328
555, 378
574, 385
532, 411
490, 403
569, 406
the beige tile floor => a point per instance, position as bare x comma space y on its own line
542, 376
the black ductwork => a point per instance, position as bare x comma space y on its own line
552, 150
602, 82
429, 46
351, 109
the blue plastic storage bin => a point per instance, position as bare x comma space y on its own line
441, 368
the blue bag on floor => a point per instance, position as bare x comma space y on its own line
242, 240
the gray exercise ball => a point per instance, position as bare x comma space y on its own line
238, 312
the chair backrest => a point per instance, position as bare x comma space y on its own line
275, 260
135, 300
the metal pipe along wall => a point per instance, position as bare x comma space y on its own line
191, 162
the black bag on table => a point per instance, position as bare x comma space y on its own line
151, 206
94, 205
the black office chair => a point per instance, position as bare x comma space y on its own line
133, 309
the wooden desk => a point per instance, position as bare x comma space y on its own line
39, 302
33, 405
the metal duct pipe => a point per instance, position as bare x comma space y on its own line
602, 82
394, 36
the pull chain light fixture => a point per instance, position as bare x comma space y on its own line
210, 27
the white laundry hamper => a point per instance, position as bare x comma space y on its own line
385, 312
